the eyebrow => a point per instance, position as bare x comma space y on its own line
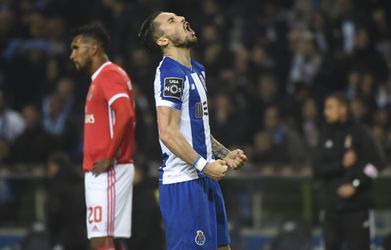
170, 19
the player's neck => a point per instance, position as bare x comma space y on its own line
181, 55
97, 62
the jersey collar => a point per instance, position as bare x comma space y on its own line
93, 77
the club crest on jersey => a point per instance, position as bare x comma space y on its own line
173, 87
200, 238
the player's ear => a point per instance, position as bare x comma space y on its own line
94, 49
162, 42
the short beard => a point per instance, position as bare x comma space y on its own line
85, 68
188, 43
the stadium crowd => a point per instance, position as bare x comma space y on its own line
269, 65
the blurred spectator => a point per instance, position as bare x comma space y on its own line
34, 145
226, 118
360, 110
140, 65
146, 128
11, 122
310, 123
65, 204
366, 58
354, 80
261, 61
263, 53
263, 149
321, 31
54, 116
381, 118
380, 135
306, 60
265, 96
11, 126
58, 119
64, 90
146, 218
346, 163
287, 146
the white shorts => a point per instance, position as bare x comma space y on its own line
109, 202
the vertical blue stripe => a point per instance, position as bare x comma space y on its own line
197, 125
161, 169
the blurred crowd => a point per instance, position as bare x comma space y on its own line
269, 64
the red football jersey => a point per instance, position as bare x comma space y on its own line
109, 83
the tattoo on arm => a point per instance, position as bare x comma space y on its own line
218, 149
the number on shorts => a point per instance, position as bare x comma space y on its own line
95, 214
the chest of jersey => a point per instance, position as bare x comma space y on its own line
195, 96
95, 105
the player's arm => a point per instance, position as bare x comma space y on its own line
235, 158
124, 117
363, 168
168, 120
115, 91
218, 149
370, 162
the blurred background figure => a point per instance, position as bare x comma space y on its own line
11, 126
34, 145
65, 204
146, 215
347, 161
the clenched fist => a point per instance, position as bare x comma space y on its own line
236, 159
216, 170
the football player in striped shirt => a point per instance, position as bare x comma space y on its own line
191, 201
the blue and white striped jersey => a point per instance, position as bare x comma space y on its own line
184, 89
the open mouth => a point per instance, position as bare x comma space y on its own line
187, 27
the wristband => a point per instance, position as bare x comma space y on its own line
200, 163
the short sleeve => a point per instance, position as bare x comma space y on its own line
114, 86
169, 85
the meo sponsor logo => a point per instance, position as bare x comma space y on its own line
89, 118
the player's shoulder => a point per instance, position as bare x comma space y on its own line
170, 68
197, 66
114, 69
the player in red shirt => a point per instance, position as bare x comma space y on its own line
109, 124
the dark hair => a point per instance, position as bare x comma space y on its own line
95, 31
147, 33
